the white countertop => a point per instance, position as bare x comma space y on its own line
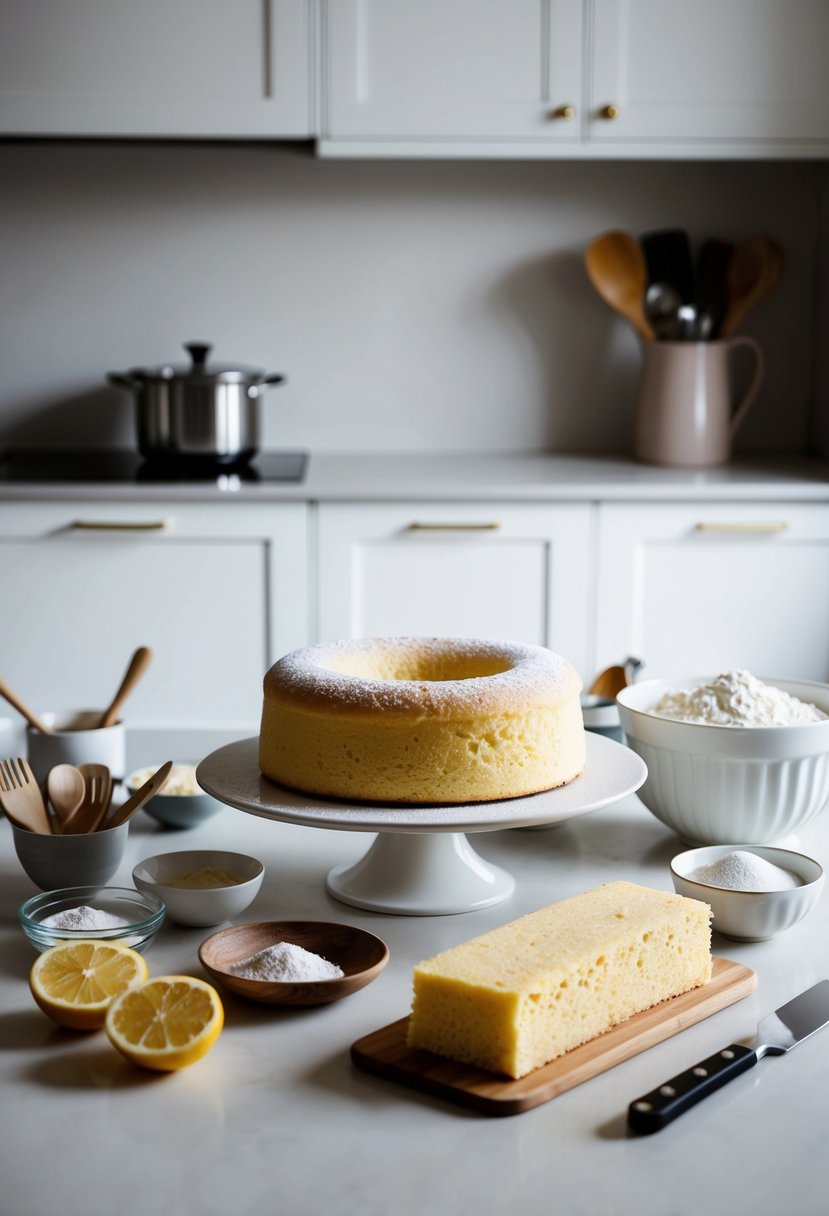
447, 477
277, 1119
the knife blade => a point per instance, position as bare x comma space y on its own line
778, 1033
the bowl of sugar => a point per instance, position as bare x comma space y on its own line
294, 962
754, 892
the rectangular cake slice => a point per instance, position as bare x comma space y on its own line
522, 995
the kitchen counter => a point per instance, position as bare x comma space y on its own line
457, 477
276, 1118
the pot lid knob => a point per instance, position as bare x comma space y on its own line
198, 352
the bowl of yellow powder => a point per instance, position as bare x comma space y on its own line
181, 802
201, 886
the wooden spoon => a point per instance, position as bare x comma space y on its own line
138, 664
754, 270
617, 269
142, 795
23, 709
66, 787
609, 682
97, 797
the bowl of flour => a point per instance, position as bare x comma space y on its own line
754, 892
732, 756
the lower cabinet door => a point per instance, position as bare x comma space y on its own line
217, 594
700, 589
490, 570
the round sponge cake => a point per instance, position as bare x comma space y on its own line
422, 720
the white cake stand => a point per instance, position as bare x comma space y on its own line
420, 863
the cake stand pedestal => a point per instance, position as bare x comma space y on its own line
421, 863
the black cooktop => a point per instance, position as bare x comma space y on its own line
122, 465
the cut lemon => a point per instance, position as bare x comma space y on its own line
74, 982
166, 1023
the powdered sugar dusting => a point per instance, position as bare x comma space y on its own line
331, 671
736, 698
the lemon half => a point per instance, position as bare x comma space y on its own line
74, 982
165, 1023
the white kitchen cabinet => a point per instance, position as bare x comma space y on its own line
200, 68
700, 588
734, 70
574, 78
218, 591
504, 69
482, 569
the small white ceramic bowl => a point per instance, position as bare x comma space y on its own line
170, 809
209, 905
718, 784
751, 916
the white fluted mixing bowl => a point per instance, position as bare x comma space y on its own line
720, 784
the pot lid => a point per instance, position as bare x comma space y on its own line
198, 372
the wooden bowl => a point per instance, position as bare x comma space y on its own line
360, 954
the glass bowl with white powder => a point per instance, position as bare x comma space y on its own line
730, 757
113, 914
754, 892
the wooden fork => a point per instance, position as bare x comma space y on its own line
21, 798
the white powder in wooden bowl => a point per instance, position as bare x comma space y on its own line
285, 963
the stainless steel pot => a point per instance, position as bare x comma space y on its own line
197, 412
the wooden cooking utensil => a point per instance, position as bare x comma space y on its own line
21, 798
617, 269
97, 797
754, 270
30, 716
66, 787
609, 682
142, 795
138, 664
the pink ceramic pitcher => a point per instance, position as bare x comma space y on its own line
684, 414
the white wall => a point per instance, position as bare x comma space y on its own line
412, 305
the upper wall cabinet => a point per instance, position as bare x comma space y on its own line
158, 68
574, 78
453, 69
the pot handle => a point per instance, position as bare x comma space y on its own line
257, 389
123, 381
273, 379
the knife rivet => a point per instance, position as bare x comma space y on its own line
699, 1071
727, 1054
643, 1106
667, 1091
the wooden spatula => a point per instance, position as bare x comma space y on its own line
142, 795
138, 664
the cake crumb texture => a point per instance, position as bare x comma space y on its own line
522, 995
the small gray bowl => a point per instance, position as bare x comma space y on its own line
85, 859
175, 810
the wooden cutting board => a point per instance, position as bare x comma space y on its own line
384, 1052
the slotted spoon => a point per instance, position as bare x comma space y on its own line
97, 797
21, 798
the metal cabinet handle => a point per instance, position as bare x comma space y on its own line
567, 112
610, 112
492, 526
119, 525
766, 529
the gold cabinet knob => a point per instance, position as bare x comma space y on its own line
566, 112
609, 112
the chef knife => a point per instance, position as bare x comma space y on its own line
776, 1034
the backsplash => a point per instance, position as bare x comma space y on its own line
412, 305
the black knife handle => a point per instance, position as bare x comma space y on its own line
661, 1106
